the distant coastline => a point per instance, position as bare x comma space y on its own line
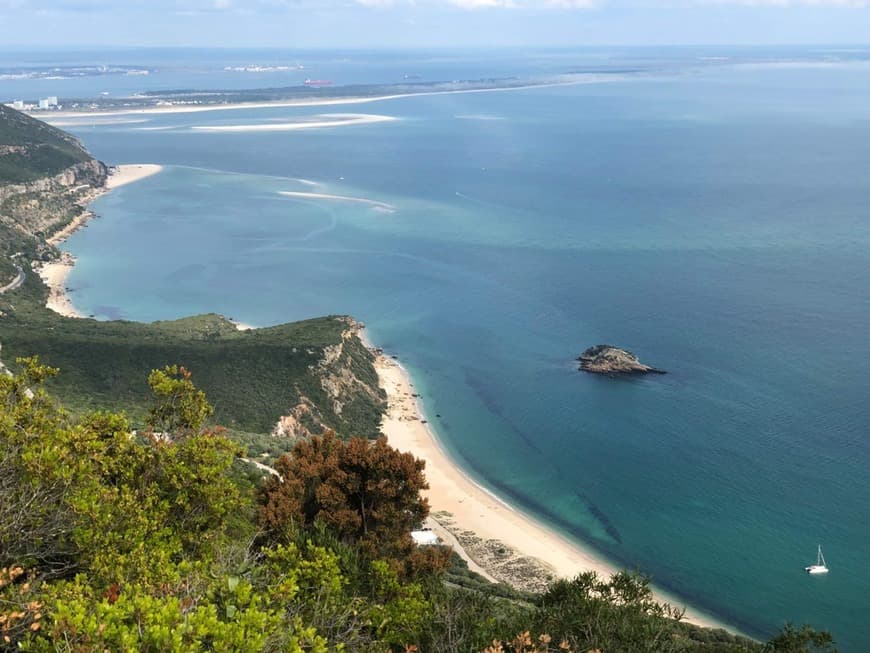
195, 106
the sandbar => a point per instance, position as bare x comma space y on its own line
326, 120
474, 514
129, 173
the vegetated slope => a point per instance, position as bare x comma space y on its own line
309, 376
46, 177
31, 149
254, 378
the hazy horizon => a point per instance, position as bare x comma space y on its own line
432, 23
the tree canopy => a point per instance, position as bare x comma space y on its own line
364, 491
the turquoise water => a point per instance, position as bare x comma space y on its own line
715, 222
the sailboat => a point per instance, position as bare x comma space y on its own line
820, 567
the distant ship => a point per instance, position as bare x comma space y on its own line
318, 82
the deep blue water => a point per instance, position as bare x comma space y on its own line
716, 222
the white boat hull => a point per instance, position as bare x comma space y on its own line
816, 569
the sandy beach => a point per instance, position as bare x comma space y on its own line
127, 174
509, 545
55, 273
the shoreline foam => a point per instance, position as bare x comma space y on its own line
54, 273
471, 512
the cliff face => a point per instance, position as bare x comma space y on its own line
46, 178
42, 207
347, 397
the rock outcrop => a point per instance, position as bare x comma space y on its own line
606, 359
347, 395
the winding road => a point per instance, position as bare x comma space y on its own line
16, 282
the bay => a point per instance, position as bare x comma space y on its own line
715, 221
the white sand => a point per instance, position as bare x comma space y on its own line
128, 173
475, 508
72, 122
326, 120
54, 275
340, 198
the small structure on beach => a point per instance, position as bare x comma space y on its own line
425, 537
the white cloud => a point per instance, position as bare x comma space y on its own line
487, 4
377, 4
482, 4
821, 4
571, 4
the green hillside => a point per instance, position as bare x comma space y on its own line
46, 177
252, 377
30, 149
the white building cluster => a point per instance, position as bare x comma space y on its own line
44, 104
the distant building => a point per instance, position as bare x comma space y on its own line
43, 104
18, 104
52, 100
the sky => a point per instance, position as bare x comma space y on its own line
445, 23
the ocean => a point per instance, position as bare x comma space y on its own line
714, 219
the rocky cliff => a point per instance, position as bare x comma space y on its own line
46, 179
44, 206
347, 394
